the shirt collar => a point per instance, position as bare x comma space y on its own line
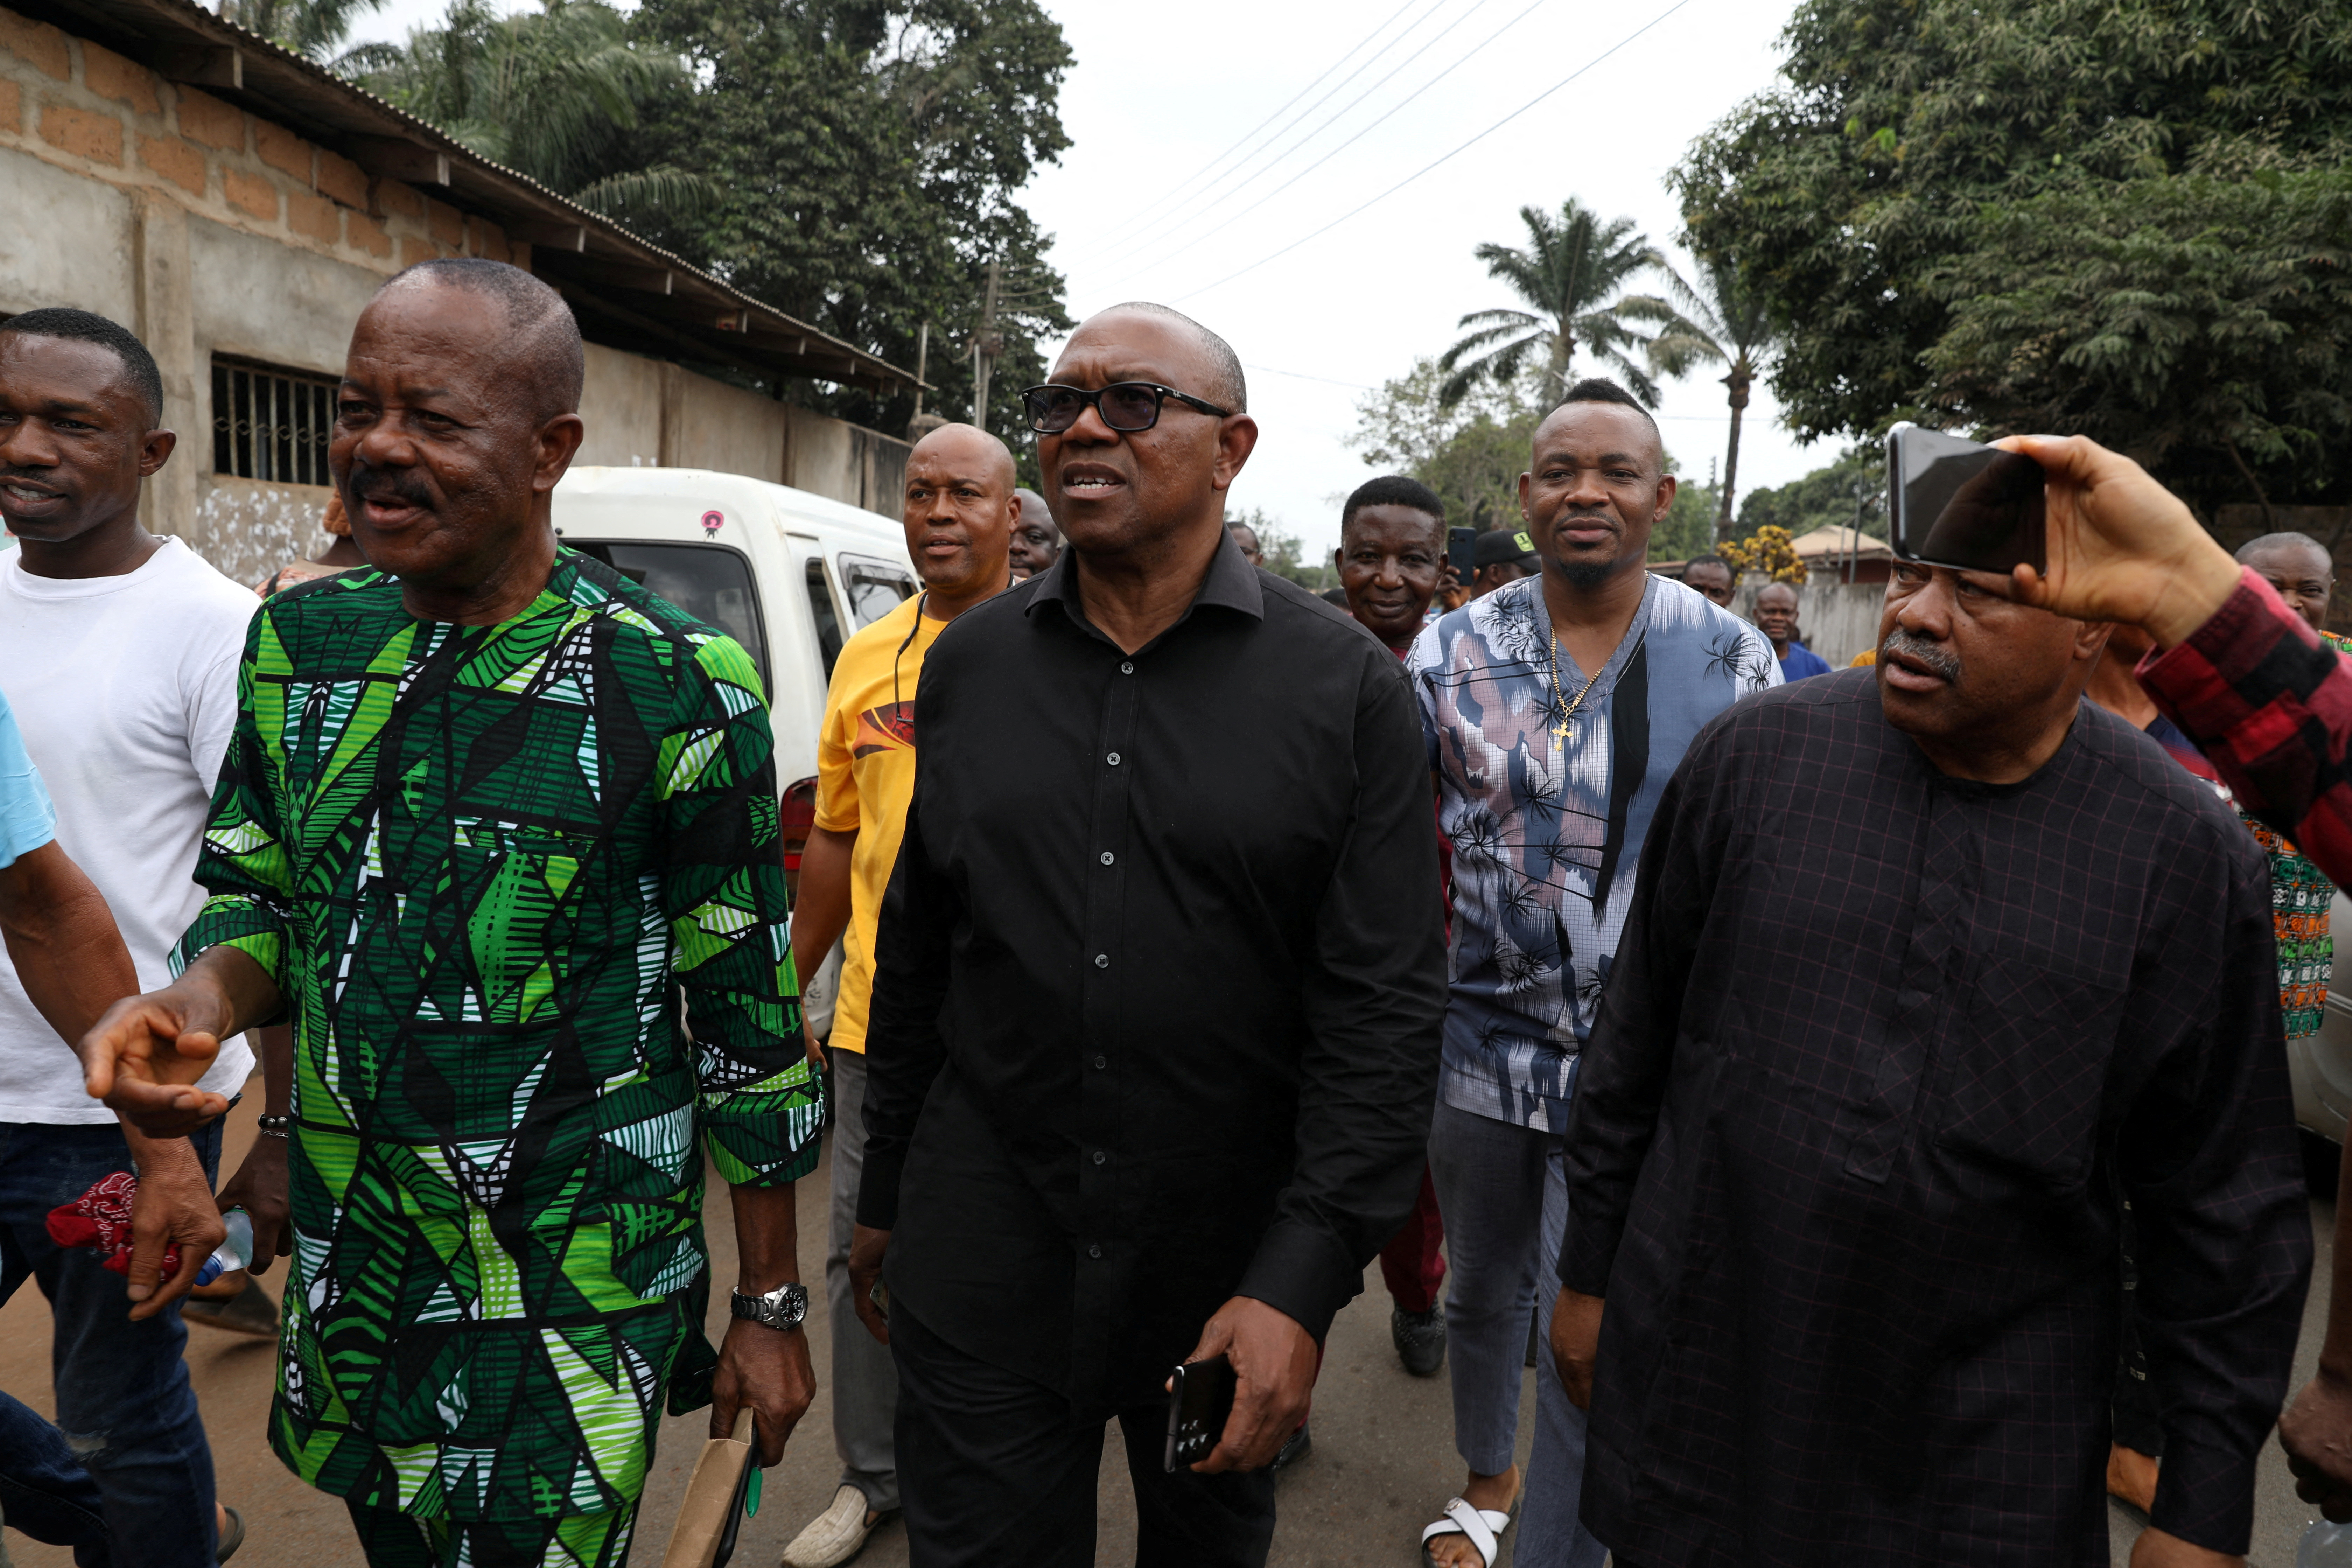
1232, 583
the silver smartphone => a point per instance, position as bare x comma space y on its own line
1955, 502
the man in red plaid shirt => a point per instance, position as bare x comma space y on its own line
2270, 702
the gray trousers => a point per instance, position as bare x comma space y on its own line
864, 1378
1503, 1192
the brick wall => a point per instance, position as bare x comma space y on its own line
84, 108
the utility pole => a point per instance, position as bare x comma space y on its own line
986, 345
922, 362
1853, 544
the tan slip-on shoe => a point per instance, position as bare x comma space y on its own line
834, 1536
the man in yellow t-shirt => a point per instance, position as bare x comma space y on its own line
960, 512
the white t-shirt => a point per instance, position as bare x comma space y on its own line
125, 689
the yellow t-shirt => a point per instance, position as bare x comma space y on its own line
865, 780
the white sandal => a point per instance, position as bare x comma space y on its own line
1482, 1525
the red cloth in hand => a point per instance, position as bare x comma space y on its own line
100, 1218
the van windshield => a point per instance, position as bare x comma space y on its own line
875, 587
709, 582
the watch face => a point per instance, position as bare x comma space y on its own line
784, 1307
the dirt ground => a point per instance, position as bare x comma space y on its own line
1383, 1464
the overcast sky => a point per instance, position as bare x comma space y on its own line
1152, 101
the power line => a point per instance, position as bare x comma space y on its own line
1298, 376
1169, 195
1351, 141
1199, 204
1443, 158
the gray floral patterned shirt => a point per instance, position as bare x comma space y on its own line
1547, 830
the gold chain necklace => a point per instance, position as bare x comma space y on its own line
1567, 718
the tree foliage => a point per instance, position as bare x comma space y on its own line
1471, 452
1847, 191
553, 93
1832, 496
868, 156
1572, 274
1286, 553
1723, 321
2203, 325
313, 27
1687, 529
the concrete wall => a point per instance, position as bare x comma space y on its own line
210, 231
622, 406
708, 425
1836, 620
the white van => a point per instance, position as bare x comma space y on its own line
788, 575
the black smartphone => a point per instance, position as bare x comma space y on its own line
1461, 553
1954, 502
1200, 1397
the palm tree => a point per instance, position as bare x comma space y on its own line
1727, 323
1571, 274
312, 27
551, 94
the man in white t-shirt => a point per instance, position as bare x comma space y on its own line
118, 654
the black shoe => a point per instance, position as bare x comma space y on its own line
1420, 1338
1301, 1443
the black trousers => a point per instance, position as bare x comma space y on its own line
994, 1472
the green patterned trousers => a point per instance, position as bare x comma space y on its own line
395, 1540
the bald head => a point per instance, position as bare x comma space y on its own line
960, 511
966, 449
1221, 380
540, 341
2299, 567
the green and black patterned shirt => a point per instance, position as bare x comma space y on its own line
480, 862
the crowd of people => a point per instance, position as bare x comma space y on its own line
1861, 1093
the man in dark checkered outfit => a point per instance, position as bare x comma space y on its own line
1930, 968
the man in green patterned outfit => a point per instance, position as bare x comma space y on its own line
489, 806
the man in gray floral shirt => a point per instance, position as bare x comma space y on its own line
1554, 709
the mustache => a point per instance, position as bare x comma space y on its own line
404, 486
1938, 658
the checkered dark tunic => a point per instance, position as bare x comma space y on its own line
1881, 1053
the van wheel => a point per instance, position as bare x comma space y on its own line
2322, 1163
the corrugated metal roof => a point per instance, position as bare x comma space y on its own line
630, 293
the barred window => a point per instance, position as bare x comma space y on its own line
271, 424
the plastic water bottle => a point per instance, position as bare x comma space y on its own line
236, 1251
2325, 1545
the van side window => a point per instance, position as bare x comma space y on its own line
712, 583
876, 588
828, 625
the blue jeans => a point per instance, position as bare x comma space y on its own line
1503, 1192
44, 1491
123, 1400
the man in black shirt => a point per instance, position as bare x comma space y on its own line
1153, 1083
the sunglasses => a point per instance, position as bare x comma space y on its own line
1126, 405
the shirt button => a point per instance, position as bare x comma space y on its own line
1100, 1156
1093, 1249
1101, 1062
1102, 960
1108, 856
1112, 759
1128, 667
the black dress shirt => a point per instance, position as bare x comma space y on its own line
1882, 1054
1157, 986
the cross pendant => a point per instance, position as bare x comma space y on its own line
1561, 729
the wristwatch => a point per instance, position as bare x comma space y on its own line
781, 1308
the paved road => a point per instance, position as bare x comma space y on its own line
1383, 1464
